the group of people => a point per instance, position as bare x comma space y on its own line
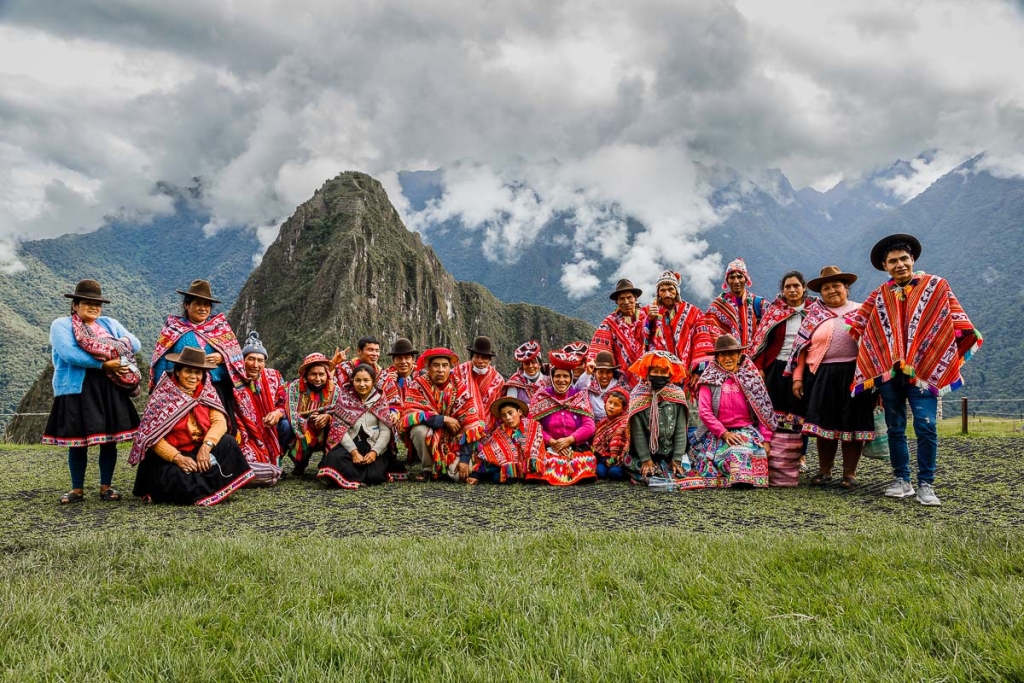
765, 377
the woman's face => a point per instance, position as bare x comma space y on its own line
362, 383
560, 380
188, 378
604, 377
198, 310
834, 294
510, 416
531, 367
87, 310
729, 360
793, 291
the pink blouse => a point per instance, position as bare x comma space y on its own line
733, 410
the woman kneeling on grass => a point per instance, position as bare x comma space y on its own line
360, 447
733, 442
183, 450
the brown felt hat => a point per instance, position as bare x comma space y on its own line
727, 343
482, 347
881, 248
192, 357
604, 360
200, 289
89, 290
625, 285
828, 274
503, 401
403, 347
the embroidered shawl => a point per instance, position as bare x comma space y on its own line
725, 317
643, 398
483, 393
300, 404
168, 404
453, 399
512, 452
777, 313
254, 402
611, 440
673, 333
920, 330
349, 408
386, 382
397, 386
816, 313
621, 339
108, 348
215, 331
520, 381
545, 403
750, 383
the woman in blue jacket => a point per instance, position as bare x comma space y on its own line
94, 378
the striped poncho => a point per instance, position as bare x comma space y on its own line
919, 329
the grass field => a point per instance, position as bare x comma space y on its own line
441, 582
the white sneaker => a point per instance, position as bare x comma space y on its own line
899, 489
926, 495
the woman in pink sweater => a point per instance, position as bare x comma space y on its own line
822, 364
737, 420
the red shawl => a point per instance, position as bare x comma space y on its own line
254, 402
215, 331
673, 333
423, 398
777, 313
484, 392
815, 314
920, 330
349, 408
520, 381
621, 339
108, 348
168, 404
643, 398
512, 452
300, 404
725, 317
545, 403
751, 384
611, 440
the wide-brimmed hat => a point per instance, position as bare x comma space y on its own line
88, 290
726, 343
315, 358
564, 360
881, 248
604, 360
527, 351
192, 357
502, 401
828, 274
625, 285
402, 347
199, 289
482, 347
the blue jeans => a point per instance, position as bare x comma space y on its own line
896, 393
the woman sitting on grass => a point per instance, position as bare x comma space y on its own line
183, 450
734, 440
515, 442
360, 446
568, 424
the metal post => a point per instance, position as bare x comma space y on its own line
963, 415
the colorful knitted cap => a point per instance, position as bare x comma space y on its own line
563, 360
254, 345
661, 359
736, 266
527, 351
669, 278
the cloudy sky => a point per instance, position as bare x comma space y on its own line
590, 104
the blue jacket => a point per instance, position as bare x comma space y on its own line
69, 360
163, 365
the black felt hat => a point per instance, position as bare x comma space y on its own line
882, 246
482, 347
88, 290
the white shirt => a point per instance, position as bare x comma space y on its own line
792, 327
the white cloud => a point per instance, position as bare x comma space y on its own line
578, 280
923, 172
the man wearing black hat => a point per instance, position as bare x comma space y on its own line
618, 334
400, 372
481, 378
915, 337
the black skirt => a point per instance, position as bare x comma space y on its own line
337, 468
101, 413
831, 412
788, 408
165, 482
226, 393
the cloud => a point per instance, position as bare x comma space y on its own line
924, 170
578, 280
100, 99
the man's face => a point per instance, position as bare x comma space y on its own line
626, 303
900, 266
254, 364
438, 370
403, 364
531, 367
316, 376
370, 353
737, 282
604, 376
667, 294
510, 416
481, 361
613, 406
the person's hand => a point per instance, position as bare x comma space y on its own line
320, 421
768, 448
273, 418
339, 356
591, 366
357, 457
369, 457
647, 468
678, 470
798, 388
451, 424
559, 445
186, 464
215, 358
462, 471
203, 458
733, 439
114, 365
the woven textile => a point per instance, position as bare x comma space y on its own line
784, 461
108, 348
619, 336
513, 452
520, 381
750, 383
168, 404
424, 399
725, 315
254, 402
670, 330
483, 390
215, 331
611, 440
300, 404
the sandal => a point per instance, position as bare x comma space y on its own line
110, 494
848, 482
71, 497
821, 479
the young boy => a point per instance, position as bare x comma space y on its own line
611, 440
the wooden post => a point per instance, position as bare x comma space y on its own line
963, 415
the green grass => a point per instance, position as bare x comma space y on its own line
442, 582
980, 426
